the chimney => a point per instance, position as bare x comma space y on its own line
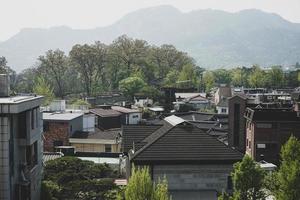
4, 85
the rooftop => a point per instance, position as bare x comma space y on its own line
124, 110
18, 99
61, 116
180, 142
99, 134
105, 112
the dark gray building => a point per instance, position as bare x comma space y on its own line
20, 147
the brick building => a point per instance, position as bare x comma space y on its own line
267, 130
59, 127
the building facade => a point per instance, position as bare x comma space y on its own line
267, 130
20, 148
59, 127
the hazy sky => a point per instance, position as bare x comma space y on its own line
18, 14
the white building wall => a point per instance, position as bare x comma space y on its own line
134, 118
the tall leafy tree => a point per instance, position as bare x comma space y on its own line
288, 176
130, 51
41, 87
131, 85
209, 80
257, 77
90, 61
189, 75
248, 180
275, 77
223, 76
141, 187
54, 65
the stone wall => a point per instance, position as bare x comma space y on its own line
194, 177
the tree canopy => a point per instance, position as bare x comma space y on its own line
71, 178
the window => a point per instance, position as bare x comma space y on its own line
135, 116
263, 125
31, 155
261, 146
32, 119
223, 110
57, 143
46, 126
22, 125
108, 148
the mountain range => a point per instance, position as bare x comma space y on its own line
213, 38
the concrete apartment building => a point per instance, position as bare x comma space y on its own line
20, 145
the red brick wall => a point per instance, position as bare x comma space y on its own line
57, 131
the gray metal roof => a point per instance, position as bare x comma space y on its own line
61, 116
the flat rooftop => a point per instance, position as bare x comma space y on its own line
18, 99
61, 116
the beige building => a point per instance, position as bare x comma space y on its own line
99, 141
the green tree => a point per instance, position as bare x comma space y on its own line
222, 76
189, 74
275, 77
78, 179
41, 87
90, 61
288, 176
248, 180
130, 51
141, 187
257, 77
54, 66
171, 78
209, 80
240, 76
131, 85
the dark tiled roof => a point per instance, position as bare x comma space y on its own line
187, 143
195, 116
136, 133
105, 112
205, 125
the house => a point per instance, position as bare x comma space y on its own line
223, 92
222, 106
108, 117
267, 129
59, 127
195, 102
129, 116
196, 164
181, 96
142, 100
20, 144
98, 141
